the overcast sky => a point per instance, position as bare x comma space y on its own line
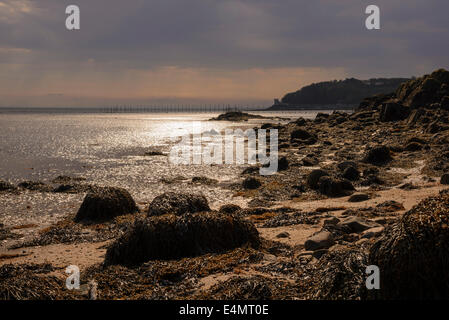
213, 51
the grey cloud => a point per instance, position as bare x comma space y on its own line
235, 34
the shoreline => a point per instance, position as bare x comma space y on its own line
286, 212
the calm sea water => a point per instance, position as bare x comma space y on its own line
106, 149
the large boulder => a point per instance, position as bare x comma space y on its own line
378, 155
412, 254
174, 237
178, 204
105, 203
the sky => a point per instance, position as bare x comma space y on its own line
208, 51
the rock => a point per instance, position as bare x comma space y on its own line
372, 180
35, 186
445, 179
320, 240
373, 232
229, 209
359, 197
314, 176
347, 164
393, 112
204, 180
282, 164
332, 221
356, 224
236, 116
301, 134
351, 174
412, 254
378, 155
334, 188
178, 204
319, 253
173, 237
154, 153
283, 235
251, 183
6, 186
413, 146
301, 122
105, 203
72, 188
67, 179
445, 103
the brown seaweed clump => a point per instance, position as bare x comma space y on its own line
173, 237
178, 203
105, 203
339, 275
31, 282
413, 256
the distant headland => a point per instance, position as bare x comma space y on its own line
341, 94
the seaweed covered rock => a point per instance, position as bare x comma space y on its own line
339, 275
413, 253
31, 282
173, 237
378, 155
105, 203
178, 203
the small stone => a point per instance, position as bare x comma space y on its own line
445, 179
359, 197
320, 240
356, 224
251, 183
331, 221
319, 253
283, 235
373, 232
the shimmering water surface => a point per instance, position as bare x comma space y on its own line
106, 149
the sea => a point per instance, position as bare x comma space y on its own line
107, 149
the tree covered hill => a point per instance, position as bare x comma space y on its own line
349, 92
